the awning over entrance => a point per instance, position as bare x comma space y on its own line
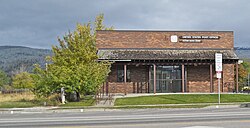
168, 54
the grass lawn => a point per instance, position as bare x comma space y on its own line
28, 100
23, 100
86, 101
182, 99
18, 104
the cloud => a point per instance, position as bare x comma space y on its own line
39, 23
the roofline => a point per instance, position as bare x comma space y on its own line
164, 49
159, 30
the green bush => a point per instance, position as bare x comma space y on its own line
246, 89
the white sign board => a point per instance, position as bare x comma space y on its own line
218, 62
174, 38
218, 75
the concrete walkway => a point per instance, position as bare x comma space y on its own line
106, 101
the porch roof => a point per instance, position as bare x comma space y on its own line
163, 54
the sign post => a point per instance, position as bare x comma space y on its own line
218, 69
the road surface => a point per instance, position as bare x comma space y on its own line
144, 118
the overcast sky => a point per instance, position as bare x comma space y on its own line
38, 23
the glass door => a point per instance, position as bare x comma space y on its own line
168, 79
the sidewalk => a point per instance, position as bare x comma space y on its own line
114, 108
107, 105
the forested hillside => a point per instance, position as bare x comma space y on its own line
243, 53
12, 58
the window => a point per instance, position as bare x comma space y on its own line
120, 74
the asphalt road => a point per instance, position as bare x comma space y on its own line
144, 118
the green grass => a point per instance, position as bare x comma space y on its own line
86, 101
29, 100
182, 99
21, 100
17, 104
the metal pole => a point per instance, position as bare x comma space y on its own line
218, 90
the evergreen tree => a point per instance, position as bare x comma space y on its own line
4, 79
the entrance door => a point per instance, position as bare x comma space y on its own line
168, 79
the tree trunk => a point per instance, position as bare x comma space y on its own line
77, 96
73, 97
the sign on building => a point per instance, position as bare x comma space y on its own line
174, 38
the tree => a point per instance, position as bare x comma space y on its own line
4, 79
246, 66
23, 80
74, 64
244, 70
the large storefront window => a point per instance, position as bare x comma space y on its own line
168, 79
120, 74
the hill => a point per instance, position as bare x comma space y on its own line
243, 53
12, 58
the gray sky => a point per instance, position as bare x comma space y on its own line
38, 23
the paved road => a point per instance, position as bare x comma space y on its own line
145, 118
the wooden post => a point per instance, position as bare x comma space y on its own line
237, 77
211, 78
154, 78
149, 79
183, 77
125, 78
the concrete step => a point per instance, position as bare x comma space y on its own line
105, 103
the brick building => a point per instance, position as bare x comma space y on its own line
167, 61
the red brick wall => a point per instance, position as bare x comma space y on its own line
138, 84
137, 73
160, 39
228, 78
198, 78
128, 87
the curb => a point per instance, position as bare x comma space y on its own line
115, 108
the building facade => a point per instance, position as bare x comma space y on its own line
167, 61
